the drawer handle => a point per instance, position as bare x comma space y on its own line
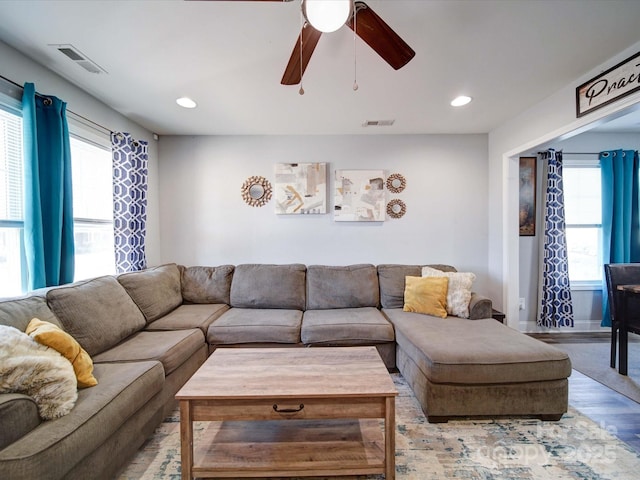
288, 410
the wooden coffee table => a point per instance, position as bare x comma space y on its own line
289, 412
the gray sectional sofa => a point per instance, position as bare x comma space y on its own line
148, 332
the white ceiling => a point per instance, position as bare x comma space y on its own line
229, 56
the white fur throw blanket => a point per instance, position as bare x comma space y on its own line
38, 371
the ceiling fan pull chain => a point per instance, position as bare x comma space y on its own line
355, 59
302, 21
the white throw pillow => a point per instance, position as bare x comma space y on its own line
42, 373
459, 292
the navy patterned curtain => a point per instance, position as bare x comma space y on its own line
130, 171
555, 308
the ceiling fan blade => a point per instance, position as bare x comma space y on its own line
379, 36
309, 37
281, 1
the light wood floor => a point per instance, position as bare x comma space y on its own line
612, 410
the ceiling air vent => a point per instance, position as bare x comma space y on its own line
378, 123
78, 57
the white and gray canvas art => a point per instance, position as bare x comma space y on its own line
359, 196
301, 188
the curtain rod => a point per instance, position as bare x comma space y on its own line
581, 153
574, 153
77, 115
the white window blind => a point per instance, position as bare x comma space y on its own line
12, 280
583, 210
10, 167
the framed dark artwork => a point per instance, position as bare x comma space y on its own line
527, 210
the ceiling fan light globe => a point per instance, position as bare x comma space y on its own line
460, 101
327, 15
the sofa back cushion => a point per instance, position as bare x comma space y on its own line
349, 286
18, 312
206, 284
98, 313
156, 290
269, 286
392, 283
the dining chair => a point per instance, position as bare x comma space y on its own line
622, 274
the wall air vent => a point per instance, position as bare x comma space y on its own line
78, 57
378, 123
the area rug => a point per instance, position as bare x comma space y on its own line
518, 449
592, 359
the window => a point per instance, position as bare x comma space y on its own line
92, 201
583, 212
92, 209
11, 245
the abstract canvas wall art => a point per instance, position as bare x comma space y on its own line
359, 196
301, 188
527, 211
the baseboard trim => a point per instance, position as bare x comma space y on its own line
584, 325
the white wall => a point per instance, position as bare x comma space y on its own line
205, 221
20, 69
587, 304
550, 120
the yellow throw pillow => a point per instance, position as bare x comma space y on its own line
48, 334
426, 295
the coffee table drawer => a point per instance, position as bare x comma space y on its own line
274, 409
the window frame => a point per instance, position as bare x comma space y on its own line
10, 103
80, 129
576, 163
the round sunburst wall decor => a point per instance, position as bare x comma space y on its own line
396, 183
396, 208
256, 191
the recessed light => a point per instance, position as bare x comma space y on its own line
186, 102
460, 101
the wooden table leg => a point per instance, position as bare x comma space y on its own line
623, 335
186, 440
390, 439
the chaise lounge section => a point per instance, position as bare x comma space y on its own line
148, 332
461, 367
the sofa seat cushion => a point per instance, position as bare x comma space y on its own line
155, 290
345, 326
255, 325
56, 446
348, 286
269, 286
172, 349
98, 313
458, 351
18, 416
190, 316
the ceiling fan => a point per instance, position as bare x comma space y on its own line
363, 21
